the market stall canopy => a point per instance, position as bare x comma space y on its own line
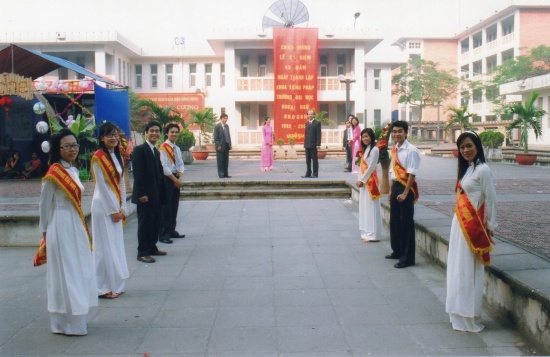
33, 64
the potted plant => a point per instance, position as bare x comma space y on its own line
492, 142
460, 117
185, 141
291, 152
280, 151
205, 120
528, 118
324, 120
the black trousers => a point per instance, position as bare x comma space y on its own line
348, 156
311, 157
402, 239
222, 158
148, 226
169, 210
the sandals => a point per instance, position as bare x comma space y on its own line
110, 295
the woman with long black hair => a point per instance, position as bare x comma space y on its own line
71, 281
471, 235
108, 214
370, 216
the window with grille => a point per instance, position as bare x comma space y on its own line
208, 74
340, 65
377, 80
244, 65
323, 66
138, 72
154, 76
169, 75
192, 74
262, 66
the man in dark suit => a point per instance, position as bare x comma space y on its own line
312, 141
148, 193
222, 139
347, 146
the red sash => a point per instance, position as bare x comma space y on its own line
169, 150
471, 223
372, 182
111, 174
401, 174
61, 178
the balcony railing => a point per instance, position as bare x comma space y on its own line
255, 84
252, 84
508, 38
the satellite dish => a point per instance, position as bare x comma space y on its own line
286, 13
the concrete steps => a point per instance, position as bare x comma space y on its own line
312, 188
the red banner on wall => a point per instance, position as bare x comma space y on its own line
295, 54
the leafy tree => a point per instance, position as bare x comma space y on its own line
528, 117
421, 82
205, 119
460, 117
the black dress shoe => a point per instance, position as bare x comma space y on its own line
347, 170
222, 176
146, 259
306, 176
227, 176
177, 235
401, 265
167, 241
314, 176
391, 256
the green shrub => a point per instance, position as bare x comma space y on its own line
491, 139
185, 140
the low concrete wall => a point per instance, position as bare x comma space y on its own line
21, 230
526, 306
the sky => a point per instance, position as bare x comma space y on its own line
155, 25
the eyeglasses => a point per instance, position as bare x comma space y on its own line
69, 147
112, 136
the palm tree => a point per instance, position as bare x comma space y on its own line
460, 117
323, 118
164, 115
205, 119
528, 117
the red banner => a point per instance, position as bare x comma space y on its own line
296, 60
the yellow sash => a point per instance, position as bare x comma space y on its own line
169, 150
61, 178
471, 224
372, 182
401, 174
111, 174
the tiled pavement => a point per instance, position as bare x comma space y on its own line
271, 278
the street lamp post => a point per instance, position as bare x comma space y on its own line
437, 133
348, 82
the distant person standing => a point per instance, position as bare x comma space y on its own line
370, 216
402, 196
148, 193
222, 139
267, 146
346, 144
471, 235
312, 142
355, 141
109, 214
173, 168
70, 275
